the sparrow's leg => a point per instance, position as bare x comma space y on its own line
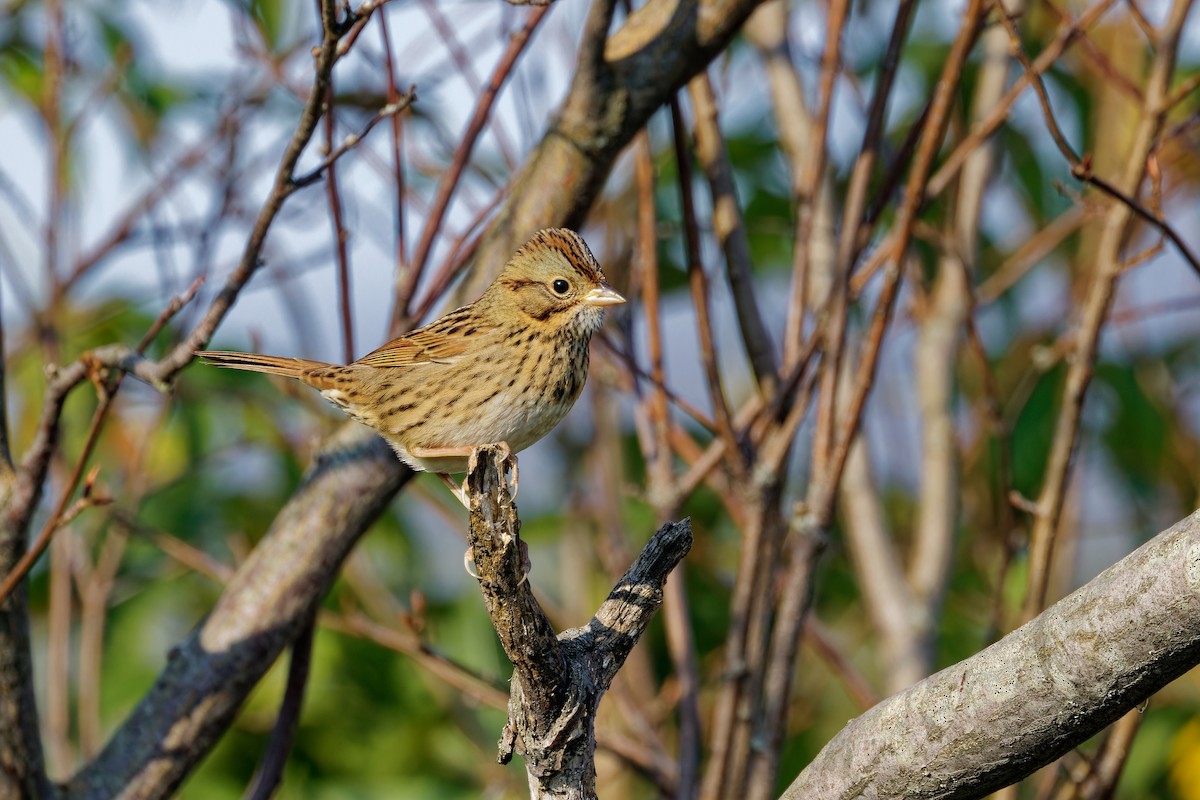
510, 465
447, 452
458, 490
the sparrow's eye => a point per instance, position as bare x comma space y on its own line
560, 286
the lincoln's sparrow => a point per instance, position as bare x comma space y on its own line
504, 369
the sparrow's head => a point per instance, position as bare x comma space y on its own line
553, 280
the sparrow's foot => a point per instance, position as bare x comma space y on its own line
510, 465
526, 564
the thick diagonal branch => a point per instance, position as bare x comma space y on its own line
262, 610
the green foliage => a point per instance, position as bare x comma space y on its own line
272, 18
22, 72
1034, 431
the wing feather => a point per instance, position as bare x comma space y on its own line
443, 341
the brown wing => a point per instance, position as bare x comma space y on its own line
442, 341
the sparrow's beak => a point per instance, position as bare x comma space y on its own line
603, 295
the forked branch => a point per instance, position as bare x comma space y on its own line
557, 680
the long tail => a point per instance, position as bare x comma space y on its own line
253, 362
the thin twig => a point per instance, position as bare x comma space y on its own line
458, 53
1029, 254
270, 770
340, 237
1081, 168
352, 141
166, 179
822, 640
836, 304
730, 231
658, 449
397, 149
701, 301
90, 367
462, 252
822, 502
1066, 35
1083, 171
626, 359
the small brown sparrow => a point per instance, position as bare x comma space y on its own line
504, 369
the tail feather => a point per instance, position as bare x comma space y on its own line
253, 362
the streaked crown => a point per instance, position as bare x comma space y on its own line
555, 247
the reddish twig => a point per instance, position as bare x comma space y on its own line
340, 236
168, 179
462, 251
822, 501
837, 301
658, 453
980, 131
730, 231
822, 640
657, 382
657, 450
352, 141
462, 61
393, 97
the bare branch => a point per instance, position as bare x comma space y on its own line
1067, 34
449, 182
823, 491
701, 300
270, 770
731, 231
350, 142
340, 234
398, 172
32, 475
940, 338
